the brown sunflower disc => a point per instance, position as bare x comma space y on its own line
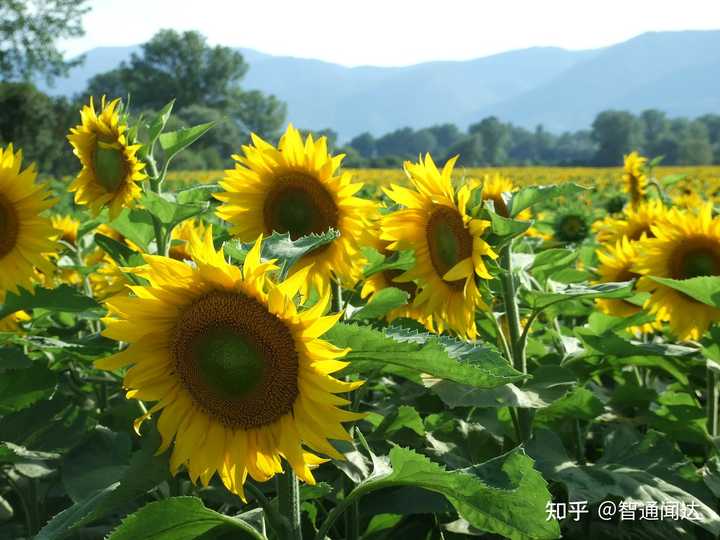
236, 359
299, 204
9, 226
448, 240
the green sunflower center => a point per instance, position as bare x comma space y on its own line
448, 240
300, 205
9, 226
227, 362
110, 167
700, 262
571, 228
236, 359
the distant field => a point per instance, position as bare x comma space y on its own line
706, 177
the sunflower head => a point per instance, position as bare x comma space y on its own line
26, 238
615, 204
685, 245
616, 264
448, 245
634, 178
571, 225
635, 222
67, 226
110, 168
296, 189
239, 375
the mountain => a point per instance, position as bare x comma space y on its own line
563, 90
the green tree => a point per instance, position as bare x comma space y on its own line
470, 149
365, 145
616, 133
496, 140
174, 65
28, 35
655, 128
37, 124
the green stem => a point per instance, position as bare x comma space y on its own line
277, 522
712, 403
289, 502
337, 302
580, 440
156, 187
517, 343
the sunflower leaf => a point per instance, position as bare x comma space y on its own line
505, 495
281, 246
529, 196
381, 304
402, 260
445, 358
175, 142
62, 298
705, 289
179, 518
542, 299
120, 253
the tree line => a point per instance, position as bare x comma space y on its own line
206, 83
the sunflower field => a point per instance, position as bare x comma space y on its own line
290, 350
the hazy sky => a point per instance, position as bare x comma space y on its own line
392, 32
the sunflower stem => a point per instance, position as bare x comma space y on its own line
156, 187
289, 502
712, 402
337, 302
517, 344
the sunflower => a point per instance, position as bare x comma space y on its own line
110, 168
571, 225
67, 226
295, 189
635, 223
240, 377
181, 237
493, 188
684, 246
26, 238
634, 179
616, 264
447, 242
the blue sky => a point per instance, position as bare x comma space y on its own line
392, 32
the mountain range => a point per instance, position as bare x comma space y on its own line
677, 72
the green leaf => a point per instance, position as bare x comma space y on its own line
548, 384
62, 298
672, 179
705, 289
403, 417
158, 123
176, 141
541, 299
547, 262
506, 228
402, 260
281, 246
197, 194
381, 304
529, 196
137, 226
505, 496
13, 358
120, 253
13, 453
642, 471
146, 471
612, 344
371, 349
23, 387
580, 404
168, 211
179, 518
